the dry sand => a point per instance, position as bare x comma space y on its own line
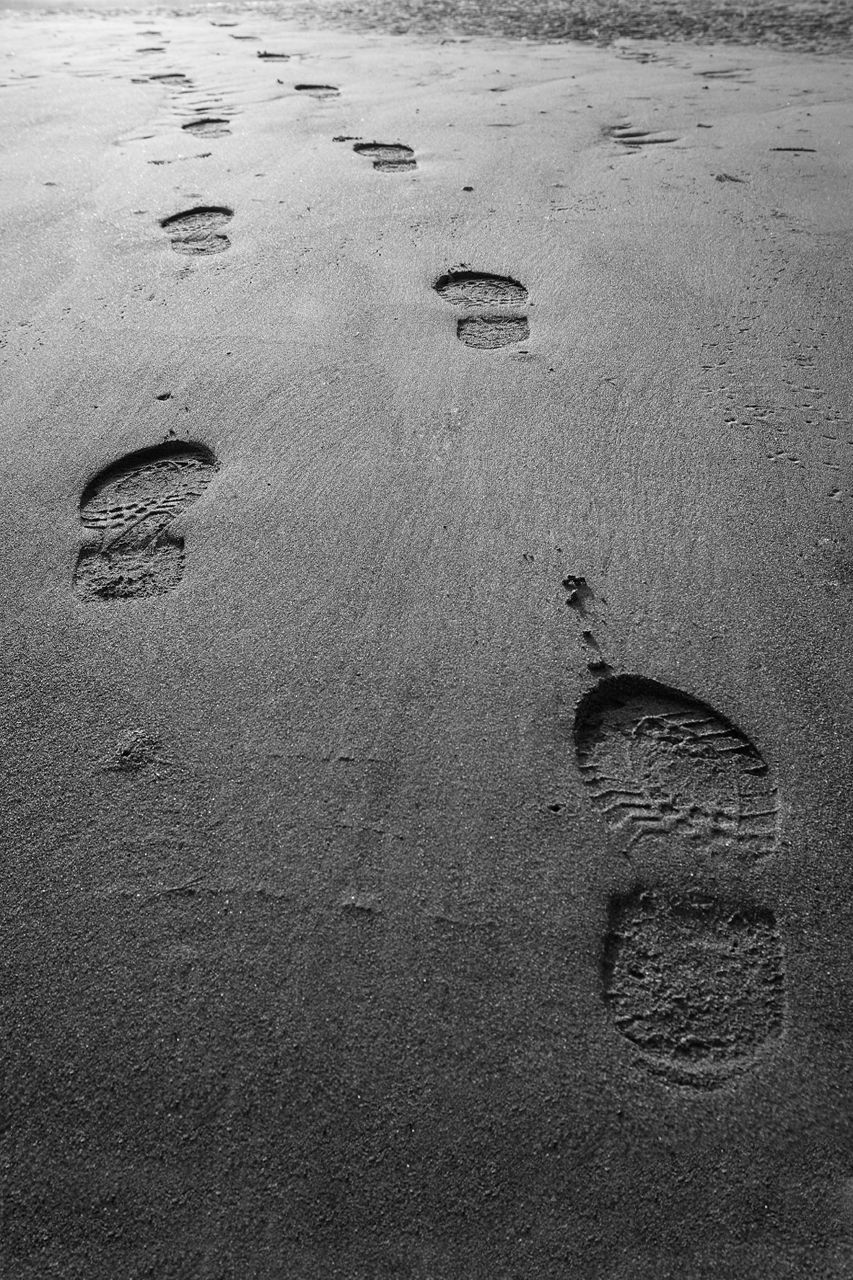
330, 952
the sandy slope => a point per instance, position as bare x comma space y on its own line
304, 893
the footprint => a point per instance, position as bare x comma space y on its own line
631, 137
130, 506
723, 73
199, 230
485, 333
172, 78
390, 157
318, 90
210, 127
495, 298
659, 763
695, 983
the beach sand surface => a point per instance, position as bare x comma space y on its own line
329, 949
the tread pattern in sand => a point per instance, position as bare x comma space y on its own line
130, 505
388, 157
199, 231
173, 79
660, 763
318, 90
631, 137
492, 304
695, 983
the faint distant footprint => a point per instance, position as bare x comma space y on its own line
199, 230
491, 303
693, 980
318, 90
389, 157
696, 983
174, 79
130, 506
208, 127
633, 138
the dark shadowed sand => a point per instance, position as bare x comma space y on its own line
426, 604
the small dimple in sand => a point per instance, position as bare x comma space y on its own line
199, 231
696, 984
130, 506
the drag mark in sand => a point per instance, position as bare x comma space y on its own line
388, 157
661, 764
199, 231
693, 982
129, 507
492, 302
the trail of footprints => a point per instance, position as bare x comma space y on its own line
694, 982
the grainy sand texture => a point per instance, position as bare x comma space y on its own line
426, 603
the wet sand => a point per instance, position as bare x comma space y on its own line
427, 841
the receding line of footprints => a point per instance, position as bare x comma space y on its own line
694, 981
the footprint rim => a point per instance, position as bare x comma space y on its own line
459, 277
198, 126
502, 325
325, 90
221, 211
138, 458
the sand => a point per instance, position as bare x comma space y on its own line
426, 824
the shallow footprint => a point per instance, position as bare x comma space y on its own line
480, 290
487, 332
130, 505
199, 230
318, 90
389, 157
633, 138
695, 983
172, 78
209, 127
